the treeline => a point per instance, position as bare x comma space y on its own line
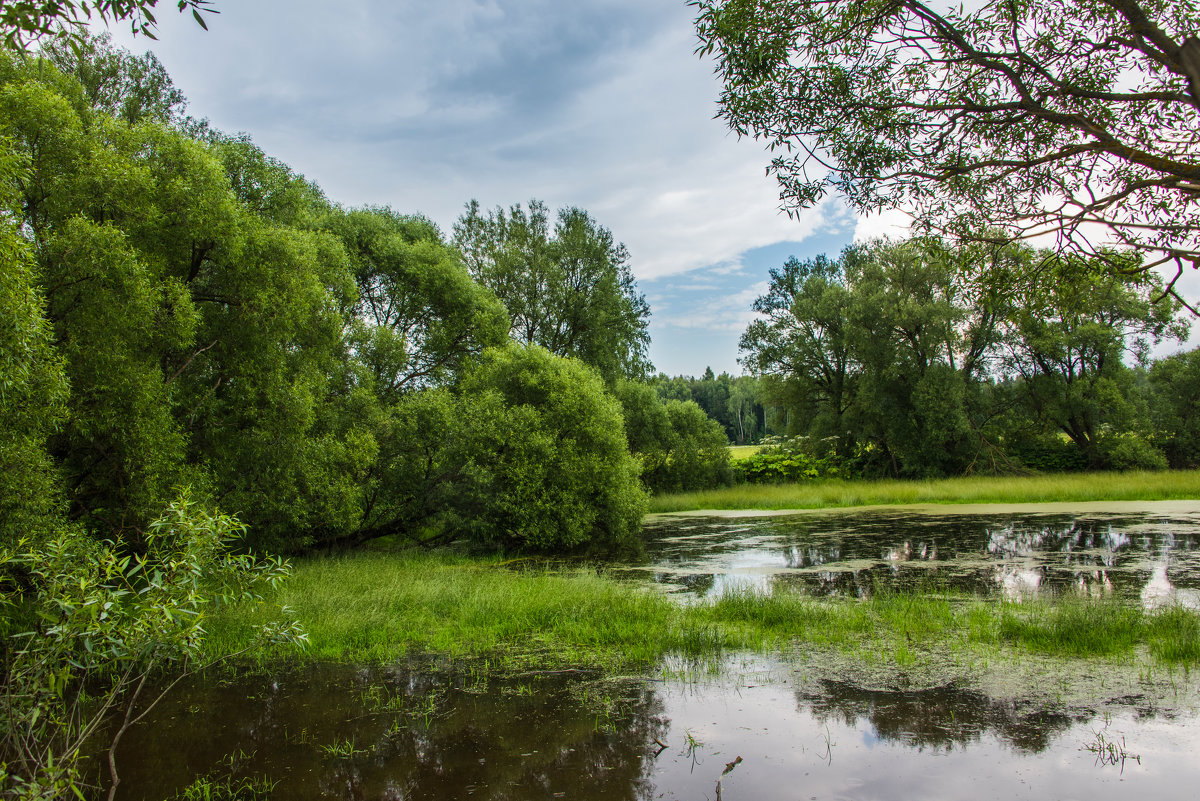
735, 402
182, 310
920, 359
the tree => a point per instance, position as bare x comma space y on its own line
33, 387
546, 465
1022, 118
884, 351
203, 343
570, 291
131, 88
803, 337
1068, 338
1175, 407
680, 447
419, 315
27, 20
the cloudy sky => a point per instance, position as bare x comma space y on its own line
600, 104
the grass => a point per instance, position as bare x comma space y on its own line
378, 608
824, 494
739, 452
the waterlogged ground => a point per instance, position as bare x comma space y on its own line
1149, 552
805, 725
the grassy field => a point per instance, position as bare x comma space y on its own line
822, 494
381, 607
739, 452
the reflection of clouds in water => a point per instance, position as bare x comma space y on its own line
1009, 554
1012, 540
1017, 581
1159, 591
907, 552
811, 556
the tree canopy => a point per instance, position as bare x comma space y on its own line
26, 20
916, 358
183, 310
1020, 118
569, 290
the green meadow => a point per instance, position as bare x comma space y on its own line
371, 608
1051, 488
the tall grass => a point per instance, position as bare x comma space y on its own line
381, 607
1061, 487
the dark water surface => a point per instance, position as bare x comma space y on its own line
1152, 554
437, 729
421, 733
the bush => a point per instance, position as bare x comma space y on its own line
544, 461
1048, 453
83, 626
1131, 452
680, 447
786, 460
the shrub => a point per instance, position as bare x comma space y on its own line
786, 460
84, 626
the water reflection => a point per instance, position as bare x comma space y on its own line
403, 733
421, 732
1153, 555
941, 718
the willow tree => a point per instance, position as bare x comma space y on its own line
1027, 118
568, 288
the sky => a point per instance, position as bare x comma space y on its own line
601, 104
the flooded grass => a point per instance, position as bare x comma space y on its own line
380, 608
1055, 488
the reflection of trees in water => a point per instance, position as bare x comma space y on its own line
848, 554
942, 717
1101, 541
419, 734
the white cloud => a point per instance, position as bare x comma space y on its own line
423, 106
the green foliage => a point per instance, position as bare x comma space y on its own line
221, 325
546, 462
418, 316
679, 446
23, 21
570, 291
1026, 118
897, 355
883, 353
1175, 407
1067, 341
784, 459
116, 82
1047, 452
85, 626
733, 401
33, 387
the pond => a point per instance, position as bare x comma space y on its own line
1148, 551
802, 727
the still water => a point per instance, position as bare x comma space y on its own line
436, 729
1149, 552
